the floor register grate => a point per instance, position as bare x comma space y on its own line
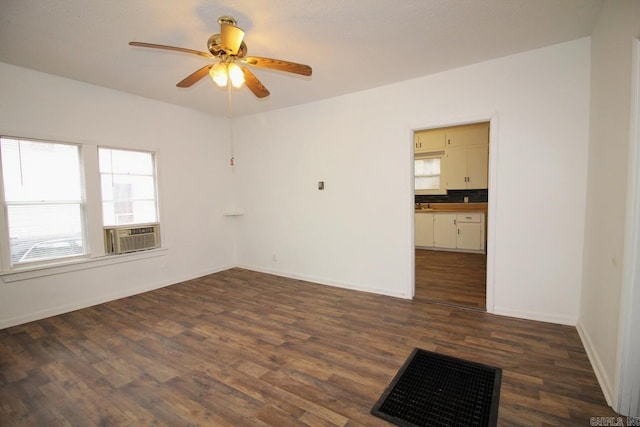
432, 389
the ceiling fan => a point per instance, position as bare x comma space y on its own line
229, 49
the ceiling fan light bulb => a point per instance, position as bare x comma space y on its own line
218, 74
235, 75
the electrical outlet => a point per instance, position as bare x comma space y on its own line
274, 257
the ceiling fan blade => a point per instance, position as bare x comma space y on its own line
195, 76
254, 84
178, 49
230, 38
278, 64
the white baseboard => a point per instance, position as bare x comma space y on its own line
328, 282
596, 364
541, 317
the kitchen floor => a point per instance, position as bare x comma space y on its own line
452, 278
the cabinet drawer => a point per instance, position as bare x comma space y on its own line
469, 217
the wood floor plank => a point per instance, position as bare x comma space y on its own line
245, 348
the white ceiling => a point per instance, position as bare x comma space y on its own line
352, 45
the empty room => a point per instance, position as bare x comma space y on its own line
267, 213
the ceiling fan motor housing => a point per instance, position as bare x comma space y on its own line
214, 45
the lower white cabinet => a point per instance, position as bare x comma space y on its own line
424, 229
444, 230
470, 231
450, 231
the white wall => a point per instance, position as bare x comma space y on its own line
617, 26
357, 233
195, 186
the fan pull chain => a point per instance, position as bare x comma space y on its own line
230, 116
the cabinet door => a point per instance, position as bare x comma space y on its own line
467, 168
462, 136
470, 236
444, 231
424, 230
431, 140
456, 169
477, 167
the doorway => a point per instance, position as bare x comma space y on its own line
454, 275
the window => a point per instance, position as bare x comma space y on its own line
428, 175
43, 196
46, 191
128, 187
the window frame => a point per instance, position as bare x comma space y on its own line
154, 165
5, 256
426, 156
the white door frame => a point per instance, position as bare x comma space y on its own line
492, 118
628, 354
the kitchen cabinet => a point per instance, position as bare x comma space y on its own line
470, 231
467, 167
429, 141
456, 231
444, 230
466, 135
423, 229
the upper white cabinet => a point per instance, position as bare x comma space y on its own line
428, 141
467, 168
467, 157
463, 136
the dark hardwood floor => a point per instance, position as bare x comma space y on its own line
240, 348
455, 278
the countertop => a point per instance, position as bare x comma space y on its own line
452, 207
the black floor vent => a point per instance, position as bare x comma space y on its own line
432, 389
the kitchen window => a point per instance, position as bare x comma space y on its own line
428, 174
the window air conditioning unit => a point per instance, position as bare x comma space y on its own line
121, 240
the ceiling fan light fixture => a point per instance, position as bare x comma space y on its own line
223, 72
235, 74
218, 74
225, 48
